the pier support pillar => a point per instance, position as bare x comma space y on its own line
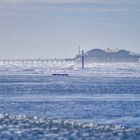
83, 59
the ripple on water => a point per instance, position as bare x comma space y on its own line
25, 127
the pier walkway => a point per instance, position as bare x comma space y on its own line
36, 61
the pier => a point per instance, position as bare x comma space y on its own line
36, 61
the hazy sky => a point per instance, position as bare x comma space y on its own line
55, 28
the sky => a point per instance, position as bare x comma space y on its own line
55, 28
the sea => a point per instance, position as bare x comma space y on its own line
101, 102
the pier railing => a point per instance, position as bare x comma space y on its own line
36, 61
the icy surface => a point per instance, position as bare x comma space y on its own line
104, 96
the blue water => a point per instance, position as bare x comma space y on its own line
103, 100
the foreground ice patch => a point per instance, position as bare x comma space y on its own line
26, 128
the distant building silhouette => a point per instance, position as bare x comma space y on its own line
99, 55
